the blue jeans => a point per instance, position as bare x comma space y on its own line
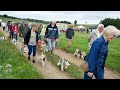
15, 36
32, 48
51, 44
98, 75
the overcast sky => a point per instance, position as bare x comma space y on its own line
91, 17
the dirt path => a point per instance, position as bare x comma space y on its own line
49, 71
70, 57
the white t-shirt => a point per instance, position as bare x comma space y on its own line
32, 38
3, 24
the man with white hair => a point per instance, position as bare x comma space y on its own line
51, 35
95, 34
98, 53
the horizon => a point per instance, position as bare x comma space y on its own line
82, 17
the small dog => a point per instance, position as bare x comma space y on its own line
44, 47
42, 58
14, 41
3, 38
23, 49
63, 63
79, 53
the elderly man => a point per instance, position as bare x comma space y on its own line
95, 34
51, 35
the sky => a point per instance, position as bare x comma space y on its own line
82, 17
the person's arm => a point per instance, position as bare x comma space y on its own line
94, 37
46, 32
93, 54
66, 34
57, 34
73, 33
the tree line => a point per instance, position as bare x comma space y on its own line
111, 21
32, 20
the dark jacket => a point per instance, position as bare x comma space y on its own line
27, 37
69, 33
97, 55
9, 27
51, 32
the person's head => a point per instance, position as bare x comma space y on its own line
110, 32
100, 27
53, 22
35, 27
70, 25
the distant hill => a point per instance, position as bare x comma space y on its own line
15, 19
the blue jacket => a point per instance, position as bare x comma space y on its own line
97, 55
51, 32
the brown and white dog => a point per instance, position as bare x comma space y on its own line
42, 58
44, 47
63, 63
79, 53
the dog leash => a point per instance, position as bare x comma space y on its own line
75, 44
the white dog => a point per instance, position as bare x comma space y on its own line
64, 64
3, 38
44, 47
42, 58
14, 41
79, 54
23, 49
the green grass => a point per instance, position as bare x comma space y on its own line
81, 41
21, 69
73, 70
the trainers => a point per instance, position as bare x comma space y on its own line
28, 57
33, 61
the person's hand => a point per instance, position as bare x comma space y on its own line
90, 74
56, 40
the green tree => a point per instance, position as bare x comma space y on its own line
75, 22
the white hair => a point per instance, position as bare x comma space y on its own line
100, 25
53, 21
110, 30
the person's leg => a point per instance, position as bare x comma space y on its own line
86, 76
16, 37
100, 74
34, 53
29, 51
3, 28
68, 44
49, 46
53, 44
12, 35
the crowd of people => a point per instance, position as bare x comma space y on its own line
98, 42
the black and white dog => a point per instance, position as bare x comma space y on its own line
63, 63
3, 38
43, 59
14, 41
79, 53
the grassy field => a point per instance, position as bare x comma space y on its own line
80, 40
21, 69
